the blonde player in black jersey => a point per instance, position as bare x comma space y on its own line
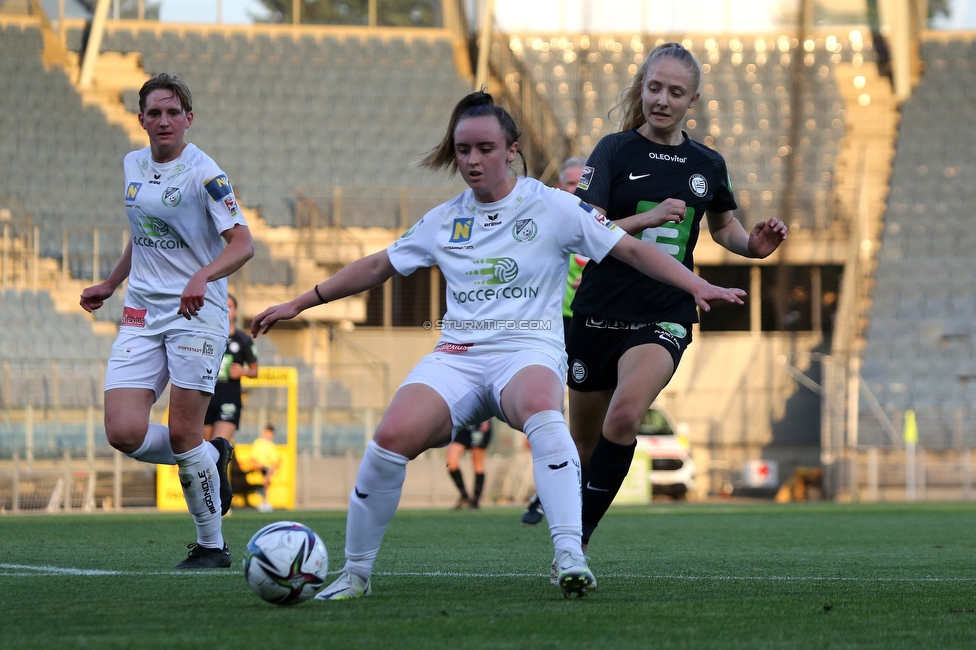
503, 248
628, 330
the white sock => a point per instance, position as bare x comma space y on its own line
556, 468
156, 448
201, 488
372, 504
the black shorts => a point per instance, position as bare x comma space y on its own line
596, 345
472, 438
223, 410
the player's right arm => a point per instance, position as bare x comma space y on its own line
667, 210
363, 274
95, 296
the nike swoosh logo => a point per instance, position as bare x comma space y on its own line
589, 486
358, 493
634, 178
560, 466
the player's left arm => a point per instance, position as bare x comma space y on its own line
728, 233
239, 249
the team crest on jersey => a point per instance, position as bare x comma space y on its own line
132, 191
461, 230
585, 178
410, 231
524, 230
698, 185
172, 197
499, 270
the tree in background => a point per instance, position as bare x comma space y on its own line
389, 13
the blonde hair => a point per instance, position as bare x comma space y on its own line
629, 108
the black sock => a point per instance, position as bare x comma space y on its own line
608, 468
459, 482
479, 485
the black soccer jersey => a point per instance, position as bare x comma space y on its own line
240, 349
628, 174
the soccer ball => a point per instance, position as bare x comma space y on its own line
285, 563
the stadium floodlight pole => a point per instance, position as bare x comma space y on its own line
94, 43
484, 45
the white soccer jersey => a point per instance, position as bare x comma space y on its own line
505, 263
176, 211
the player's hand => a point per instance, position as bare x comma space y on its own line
766, 237
665, 211
266, 319
191, 301
236, 371
94, 297
707, 292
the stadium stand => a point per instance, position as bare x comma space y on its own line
919, 351
744, 113
281, 111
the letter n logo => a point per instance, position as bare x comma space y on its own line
461, 230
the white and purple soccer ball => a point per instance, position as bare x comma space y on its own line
285, 563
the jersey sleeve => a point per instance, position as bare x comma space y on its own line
594, 184
220, 199
588, 231
249, 351
724, 199
414, 248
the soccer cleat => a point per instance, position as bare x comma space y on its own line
534, 513
224, 450
572, 574
201, 557
347, 586
462, 503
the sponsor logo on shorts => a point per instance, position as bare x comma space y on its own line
610, 324
172, 197
579, 371
121, 353
586, 178
674, 328
698, 185
218, 187
199, 346
228, 411
524, 230
499, 270
452, 348
132, 317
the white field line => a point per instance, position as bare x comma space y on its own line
28, 570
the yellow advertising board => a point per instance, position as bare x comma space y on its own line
281, 491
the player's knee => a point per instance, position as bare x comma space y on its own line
126, 439
621, 425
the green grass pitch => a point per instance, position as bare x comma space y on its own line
670, 576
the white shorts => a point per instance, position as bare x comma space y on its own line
471, 383
190, 359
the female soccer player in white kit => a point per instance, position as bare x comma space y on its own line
174, 323
502, 247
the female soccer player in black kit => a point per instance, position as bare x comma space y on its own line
629, 331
